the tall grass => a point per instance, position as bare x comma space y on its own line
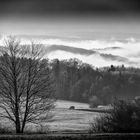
5, 130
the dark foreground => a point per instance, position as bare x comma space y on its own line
130, 136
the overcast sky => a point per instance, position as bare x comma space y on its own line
87, 24
54, 16
46, 7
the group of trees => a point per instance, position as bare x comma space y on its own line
81, 82
73, 79
124, 118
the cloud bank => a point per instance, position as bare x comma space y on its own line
96, 52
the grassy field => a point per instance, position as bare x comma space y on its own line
71, 120
64, 119
70, 125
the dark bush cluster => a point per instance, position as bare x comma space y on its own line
124, 118
5, 130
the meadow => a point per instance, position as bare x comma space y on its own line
71, 120
63, 120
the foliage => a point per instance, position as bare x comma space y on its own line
125, 117
94, 101
43, 129
5, 130
37, 129
78, 81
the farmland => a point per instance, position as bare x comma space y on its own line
71, 120
64, 119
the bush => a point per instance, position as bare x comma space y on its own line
94, 101
5, 130
43, 129
38, 129
125, 117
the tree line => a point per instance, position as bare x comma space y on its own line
78, 81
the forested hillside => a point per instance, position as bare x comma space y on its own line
82, 82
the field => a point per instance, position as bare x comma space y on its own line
71, 120
71, 125
64, 119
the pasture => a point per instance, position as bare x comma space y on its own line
71, 120
64, 119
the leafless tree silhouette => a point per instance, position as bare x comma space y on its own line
26, 85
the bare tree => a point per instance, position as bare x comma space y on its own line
26, 87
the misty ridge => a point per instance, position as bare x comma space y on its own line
100, 52
105, 53
85, 52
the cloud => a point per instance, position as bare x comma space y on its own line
95, 52
95, 60
108, 48
125, 52
74, 50
85, 52
136, 55
114, 58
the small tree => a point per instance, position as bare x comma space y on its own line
106, 93
94, 101
26, 87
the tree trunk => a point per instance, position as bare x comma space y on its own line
18, 130
23, 126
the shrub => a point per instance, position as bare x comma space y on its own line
5, 130
72, 107
125, 117
38, 129
43, 129
94, 101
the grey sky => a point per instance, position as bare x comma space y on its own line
45, 7
69, 17
86, 24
